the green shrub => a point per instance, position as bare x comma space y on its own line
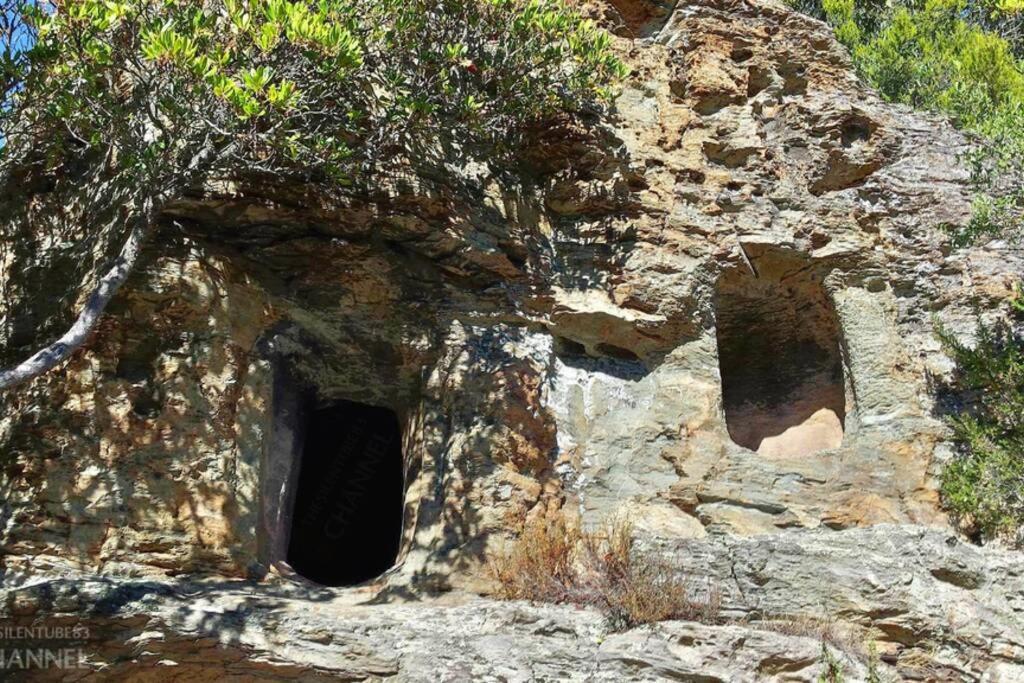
984, 483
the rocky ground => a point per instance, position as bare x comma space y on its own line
903, 602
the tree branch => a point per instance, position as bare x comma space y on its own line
52, 355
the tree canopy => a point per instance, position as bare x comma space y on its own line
321, 88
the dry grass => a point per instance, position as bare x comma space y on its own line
539, 565
809, 626
843, 637
555, 562
805, 625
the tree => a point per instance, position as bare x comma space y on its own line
162, 94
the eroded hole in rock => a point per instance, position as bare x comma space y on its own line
757, 80
780, 360
740, 54
857, 129
347, 518
612, 351
567, 347
794, 81
640, 18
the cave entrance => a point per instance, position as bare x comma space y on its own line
780, 360
347, 515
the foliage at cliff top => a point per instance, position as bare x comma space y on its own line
960, 57
322, 88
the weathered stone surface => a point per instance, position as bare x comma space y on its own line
225, 631
550, 344
938, 608
934, 607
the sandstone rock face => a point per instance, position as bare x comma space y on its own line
713, 312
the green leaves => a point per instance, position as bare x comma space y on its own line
984, 483
283, 95
455, 51
167, 44
471, 105
257, 79
268, 37
99, 14
318, 27
1017, 301
324, 89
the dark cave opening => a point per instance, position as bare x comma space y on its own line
780, 360
347, 517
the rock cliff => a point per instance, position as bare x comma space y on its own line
712, 311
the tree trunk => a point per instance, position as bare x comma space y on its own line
52, 355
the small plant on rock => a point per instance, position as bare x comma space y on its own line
874, 664
540, 565
834, 669
552, 561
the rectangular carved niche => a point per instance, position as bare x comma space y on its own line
780, 360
